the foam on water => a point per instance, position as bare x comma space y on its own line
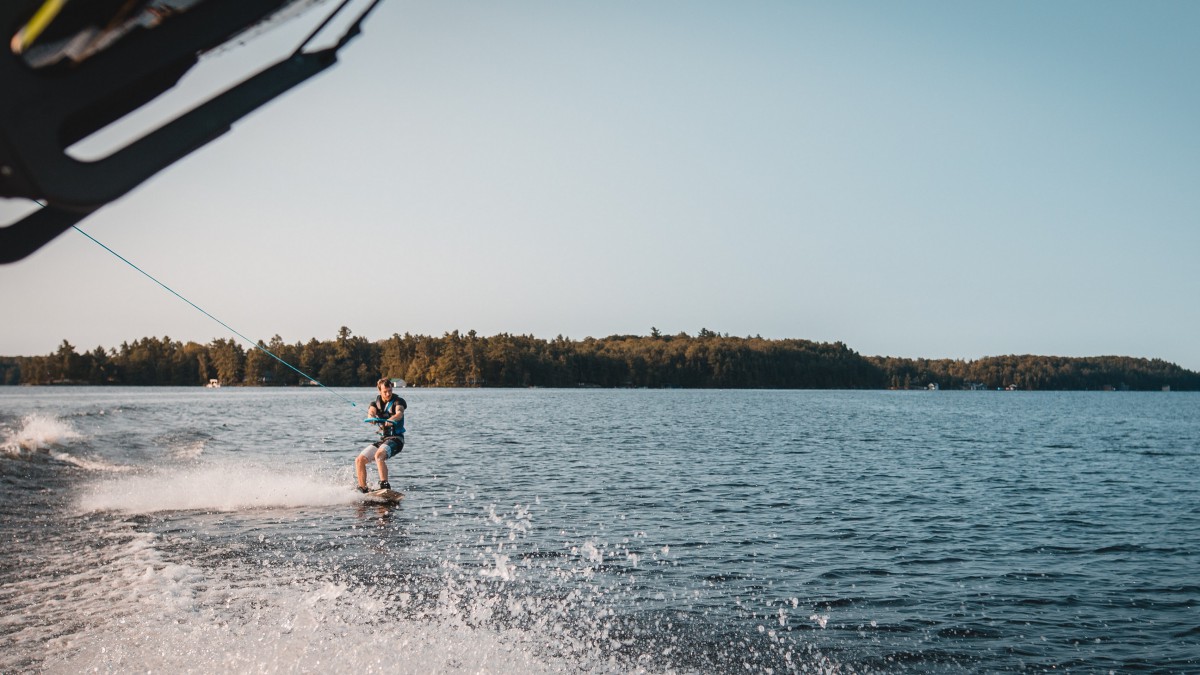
188, 450
223, 486
84, 461
126, 606
133, 601
37, 432
297, 627
46, 435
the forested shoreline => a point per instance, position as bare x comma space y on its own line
706, 360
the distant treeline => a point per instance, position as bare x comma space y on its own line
707, 360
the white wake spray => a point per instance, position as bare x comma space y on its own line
37, 432
224, 486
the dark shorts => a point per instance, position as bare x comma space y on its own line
393, 445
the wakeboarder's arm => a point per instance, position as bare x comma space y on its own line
399, 414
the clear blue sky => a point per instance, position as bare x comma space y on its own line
933, 179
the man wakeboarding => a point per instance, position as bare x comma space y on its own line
389, 410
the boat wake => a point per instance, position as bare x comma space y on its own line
129, 604
36, 433
223, 486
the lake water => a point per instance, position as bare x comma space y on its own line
193, 530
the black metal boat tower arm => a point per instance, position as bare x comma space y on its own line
55, 94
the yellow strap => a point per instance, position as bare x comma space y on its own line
30, 31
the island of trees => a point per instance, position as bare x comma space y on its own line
706, 360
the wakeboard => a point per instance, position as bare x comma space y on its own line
383, 497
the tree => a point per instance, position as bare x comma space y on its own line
229, 360
258, 365
71, 367
708, 360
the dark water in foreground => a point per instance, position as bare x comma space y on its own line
198, 530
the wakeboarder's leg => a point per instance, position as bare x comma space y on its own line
360, 467
381, 464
